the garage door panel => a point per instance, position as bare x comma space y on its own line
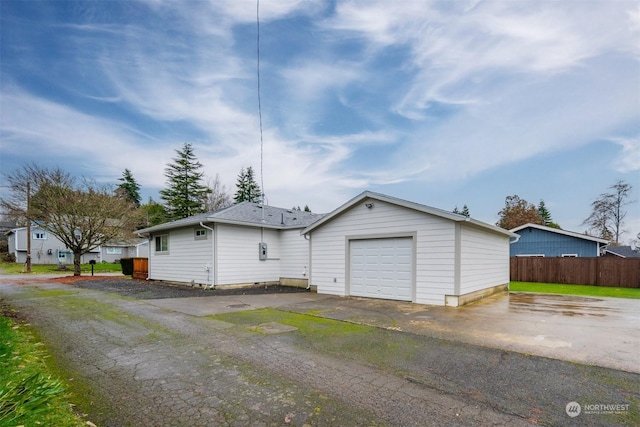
382, 268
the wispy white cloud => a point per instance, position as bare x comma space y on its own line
419, 91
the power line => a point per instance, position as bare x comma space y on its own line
259, 100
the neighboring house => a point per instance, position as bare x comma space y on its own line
621, 252
246, 243
383, 247
541, 241
372, 246
112, 252
48, 249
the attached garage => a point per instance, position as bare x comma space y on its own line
381, 268
377, 246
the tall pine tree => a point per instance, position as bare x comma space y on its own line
129, 189
185, 193
247, 189
544, 213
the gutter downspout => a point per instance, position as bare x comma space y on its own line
213, 256
307, 237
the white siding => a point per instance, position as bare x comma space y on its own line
185, 260
484, 259
435, 247
294, 255
237, 257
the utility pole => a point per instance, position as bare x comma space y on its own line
28, 228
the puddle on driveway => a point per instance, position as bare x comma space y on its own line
564, 305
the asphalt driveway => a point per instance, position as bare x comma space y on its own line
168, 362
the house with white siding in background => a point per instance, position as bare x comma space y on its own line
49, 250
372, 246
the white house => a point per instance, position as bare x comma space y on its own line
383, 247
372, 246
246, 243
48, 249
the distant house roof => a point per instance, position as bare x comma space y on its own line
245, 213
622, 251
410, 205
559, 231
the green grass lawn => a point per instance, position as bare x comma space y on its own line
30, 394
591, 291
15, 268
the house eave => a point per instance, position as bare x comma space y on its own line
406, 204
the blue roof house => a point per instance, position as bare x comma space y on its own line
541, 241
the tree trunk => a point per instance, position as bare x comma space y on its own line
76, 263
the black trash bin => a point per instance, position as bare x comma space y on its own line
127, 266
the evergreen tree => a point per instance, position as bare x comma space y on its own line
544, 213
129, 189
185, 194
307, 208
247, 187
154, 213
464, 211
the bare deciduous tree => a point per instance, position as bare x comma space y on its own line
218, 198
83, 215
607, 212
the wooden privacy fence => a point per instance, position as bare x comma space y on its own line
140, 268
599, 271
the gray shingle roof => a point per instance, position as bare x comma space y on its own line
623, 251
245, 213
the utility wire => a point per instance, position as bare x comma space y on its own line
259, 100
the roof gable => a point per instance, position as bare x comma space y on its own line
405, 204
558, 231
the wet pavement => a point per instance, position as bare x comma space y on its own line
596, 331
165, 362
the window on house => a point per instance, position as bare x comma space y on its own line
114, 251
39, 235
200, 234
162, 243
569, 255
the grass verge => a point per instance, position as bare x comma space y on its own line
15, 268
590, 291
29, 394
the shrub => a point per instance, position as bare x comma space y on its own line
9, 257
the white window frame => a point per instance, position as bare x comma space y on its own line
569, 255
113, 250
200, 234
39, 235
158, 240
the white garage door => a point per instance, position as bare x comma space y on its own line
382, 268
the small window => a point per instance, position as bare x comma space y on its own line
114, 251
201, 234
39, 235
569, 255
162, 243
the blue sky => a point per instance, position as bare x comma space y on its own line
441, 103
